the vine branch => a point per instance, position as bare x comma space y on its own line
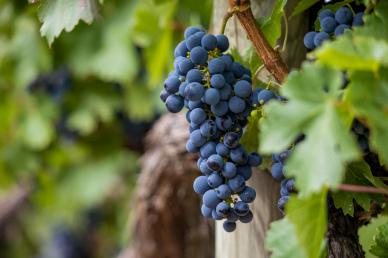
361, 189
271, 58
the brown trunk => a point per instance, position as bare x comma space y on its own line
167, 221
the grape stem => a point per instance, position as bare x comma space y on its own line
271, 58
361, 189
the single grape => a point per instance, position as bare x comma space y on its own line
340, 29
215, 215
191, 31
248, 195
197, 138
195, 104
290, 185
277, 171
328, 24
344, 15
190, 147
198, 56
200, 185
220, 109
184, 66
236, 104
264, 96
217, 81
208, 149
243, 89
282, 202
194, 91
209, 42
204, 168
210, 199
225, 92
229, 170
194, 75
212, 96
208, 128
216, 65
245, 172
229, 226
222, 209
254, 159
222, 43
325, 13
215, 162
308, 40
231, 140
283, 156
239, 156
206, 212
164, 95
224, 123
241, 208
320, 38
358, 19
171, 84
222, 150
192, 42
223, 191
246, 218
214, 180
237, 183
174, 103
228, 60
232, 216
198, 115
181, 49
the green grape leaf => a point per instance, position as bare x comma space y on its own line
356, 53
272, 25
59, 15
368, 95
309, 216
357, 173
368, 235
250, 138
312, 109
303, 5
275, 240
380, 247
36, 131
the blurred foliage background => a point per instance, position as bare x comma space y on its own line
72, 118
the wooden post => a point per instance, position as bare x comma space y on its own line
248, 239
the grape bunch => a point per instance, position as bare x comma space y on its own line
332, 25
218, 94
287, 185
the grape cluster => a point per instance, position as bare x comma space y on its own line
332, 25
218, 94
287, 185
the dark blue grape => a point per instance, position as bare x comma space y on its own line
243, 89
229, 170
190, 147
254, 159
277, 171
222, 150
325, 13
216, 65
290, 185
328, 24
215, 215
204, 168
198, 56
341, 29
206, 212
185, 65
208, 128
265, 95
197, 139
182, 89
208, 149
222, 43
224, 123
238, 70
241, 208
194, 91
171, 84
212, 96
225, 92
181, 49
209, 42
246, 218
239, 156
358, 19
195, 104
222, 209
210, 199
174, 103
223, 191
248, 195
237, 183
320, 38
231, 140
200, 185
245, 172
282, 202
229, 226
215, 162
344, 15
217, 81
214, 180
164, 95
283, 188
232, 216
220, 109
192, 42
198, 115
236, 104
191, 31
194, 75
308, 40
228, 60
